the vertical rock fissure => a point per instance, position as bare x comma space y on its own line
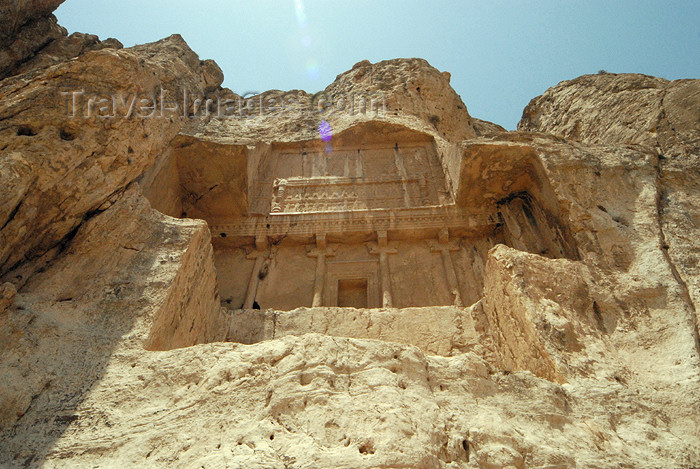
685, 291
12, 215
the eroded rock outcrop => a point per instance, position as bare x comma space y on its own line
630, 109
124, 283
26, 27
545, 279
62, 163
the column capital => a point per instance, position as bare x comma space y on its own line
377, 249
328, 251
261, 242
436, 246
321, 240
382, 238
444, 235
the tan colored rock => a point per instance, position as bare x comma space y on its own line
442, 330
399, 91
525, 323
482, 127
8, 292
125, 282
26, 26
66, 48
621, 109
414, 295
91, 159
318, 401
583, 109
16, 13
636, 109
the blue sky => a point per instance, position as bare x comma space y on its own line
501, 54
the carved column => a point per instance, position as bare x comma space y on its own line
401, 170
473, 285
259, 255
320, 253
383, 250
444, 246
424, 194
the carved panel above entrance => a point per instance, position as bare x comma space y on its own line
364, 177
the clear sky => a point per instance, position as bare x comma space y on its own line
501, 54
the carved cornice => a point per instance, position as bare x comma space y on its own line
303, 224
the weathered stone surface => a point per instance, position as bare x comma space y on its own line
125, 283
26, 27
526, 323
438, 331
59, 168
482, 127
606, 108
621, 109
8, 292
16, 13
421, 289
65, 48
636, 109
318, 401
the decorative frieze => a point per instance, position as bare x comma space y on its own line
308, 224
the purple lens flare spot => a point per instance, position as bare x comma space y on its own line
325, 131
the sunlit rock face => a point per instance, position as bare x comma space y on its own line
366, 277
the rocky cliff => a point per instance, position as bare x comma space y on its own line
580, 350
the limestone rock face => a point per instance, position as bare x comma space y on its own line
630, 109
482, 127
400, 91
65, 48
8, 292
57, 167
399, 285
442, 330
125, 281
26, 26
16, 13
412, 87
656, 112
580, 109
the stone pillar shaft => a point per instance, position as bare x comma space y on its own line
387, 301
253, 283
444, 246
451, 277
320, 252
383, 249
259, 256
320, 280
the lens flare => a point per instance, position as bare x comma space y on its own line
312, 69
325, 131
301, 14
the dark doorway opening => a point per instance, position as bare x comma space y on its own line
352, 293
